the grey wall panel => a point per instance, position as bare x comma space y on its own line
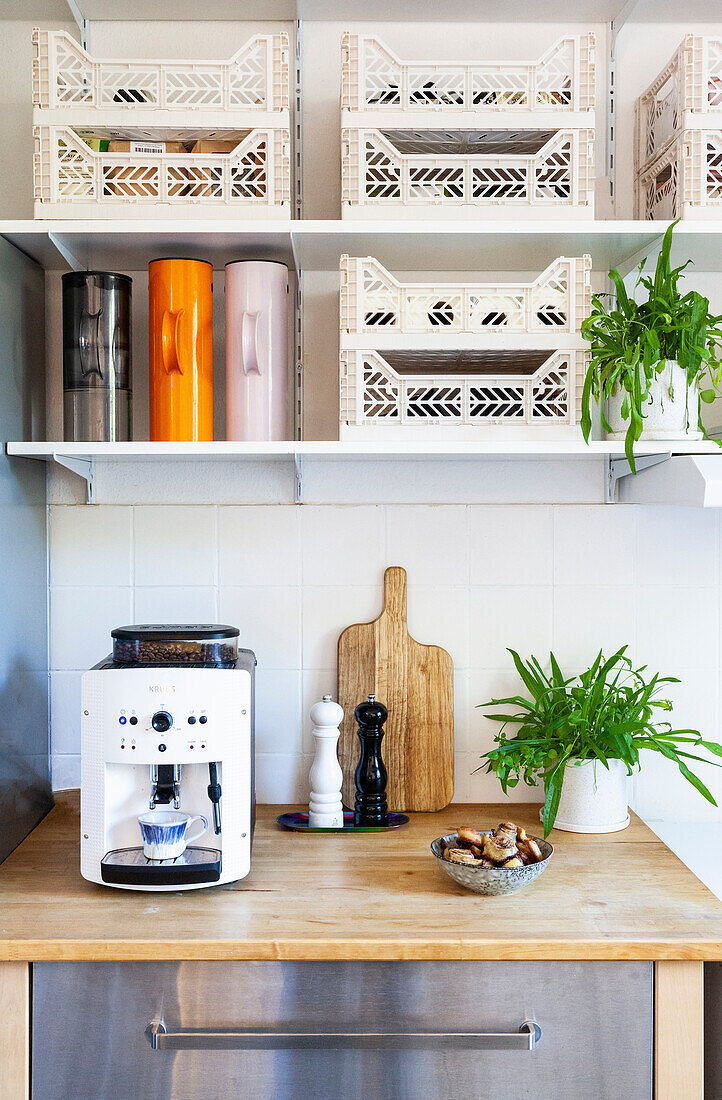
713, 1030
24, 749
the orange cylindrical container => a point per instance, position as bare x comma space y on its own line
181, 350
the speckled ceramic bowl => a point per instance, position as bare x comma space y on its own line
491, 881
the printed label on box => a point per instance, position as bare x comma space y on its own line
147, 147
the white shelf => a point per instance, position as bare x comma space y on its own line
36, 10
318, 245
687, 474
470, 246
128, 246
346, 450
477, 11
513, 11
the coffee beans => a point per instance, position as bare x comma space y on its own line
153, 651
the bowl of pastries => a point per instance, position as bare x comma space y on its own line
492, 861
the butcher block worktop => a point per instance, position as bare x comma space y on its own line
368, 896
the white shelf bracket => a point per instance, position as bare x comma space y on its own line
68, 255
83, 467
619, 20
298, 478
81, 21
615, 468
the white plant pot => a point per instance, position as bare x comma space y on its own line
593, 800
665, 416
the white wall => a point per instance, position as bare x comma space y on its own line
570, 577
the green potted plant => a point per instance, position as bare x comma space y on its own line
651, 361
582, 737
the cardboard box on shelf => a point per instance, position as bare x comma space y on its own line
215, 145
136, 180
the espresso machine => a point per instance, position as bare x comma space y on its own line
167, 724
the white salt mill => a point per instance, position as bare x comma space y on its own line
325, 809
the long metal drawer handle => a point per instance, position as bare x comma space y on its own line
190, 1038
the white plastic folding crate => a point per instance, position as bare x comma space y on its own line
377, 309
687, 95
253, 83
82, 104
73, 181
557, 89
447, 395
461, 360
685, 181
467, 137
400, 172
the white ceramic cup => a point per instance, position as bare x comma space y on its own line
165, 832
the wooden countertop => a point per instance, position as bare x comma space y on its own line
370, 896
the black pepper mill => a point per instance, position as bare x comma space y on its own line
371, 777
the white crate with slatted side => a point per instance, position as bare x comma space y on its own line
685, 181
461, 395
381, 311
555, 90
401, 173
251, 89
72, 180
687, 95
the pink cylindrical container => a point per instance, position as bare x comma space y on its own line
257, 376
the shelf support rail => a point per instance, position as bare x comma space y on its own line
83, 467
617, 467
615, 27
298, 116
298, 478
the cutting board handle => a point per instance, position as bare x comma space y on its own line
395, 593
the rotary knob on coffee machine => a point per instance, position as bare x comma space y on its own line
370, 808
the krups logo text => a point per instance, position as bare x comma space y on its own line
162, 689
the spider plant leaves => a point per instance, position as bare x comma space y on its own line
607, 712
554, 785
631, 343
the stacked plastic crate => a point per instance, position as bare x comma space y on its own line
467, 138
122, 138
678, 147
462, 361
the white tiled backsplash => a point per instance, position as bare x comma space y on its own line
481, 578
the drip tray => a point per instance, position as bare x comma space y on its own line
131, 867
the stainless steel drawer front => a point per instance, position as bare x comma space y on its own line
90, 1021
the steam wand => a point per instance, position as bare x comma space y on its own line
214, 794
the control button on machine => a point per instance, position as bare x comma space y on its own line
203, 719
191, 721
161, 721
122, 719
162, 747
133, 720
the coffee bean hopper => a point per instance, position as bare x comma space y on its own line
167, 724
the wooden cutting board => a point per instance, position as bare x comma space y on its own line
415, 683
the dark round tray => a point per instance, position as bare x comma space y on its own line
299, 823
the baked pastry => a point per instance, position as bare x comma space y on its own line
461, 855
467, 835
506, 846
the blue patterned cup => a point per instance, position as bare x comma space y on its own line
165, 832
